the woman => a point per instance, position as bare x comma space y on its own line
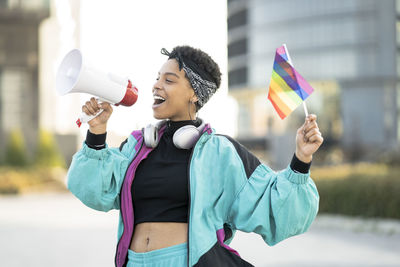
181, 204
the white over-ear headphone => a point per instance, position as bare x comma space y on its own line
184, 138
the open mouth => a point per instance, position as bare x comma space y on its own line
158, 100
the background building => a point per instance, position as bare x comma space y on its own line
19, 55
347, 50
33, 34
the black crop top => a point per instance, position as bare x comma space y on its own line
160, 187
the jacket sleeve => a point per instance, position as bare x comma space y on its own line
96, 176
275, 205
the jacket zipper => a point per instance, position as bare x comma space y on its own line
189, 204
190, 201
120, 200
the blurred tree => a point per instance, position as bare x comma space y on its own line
15, 150
47, 152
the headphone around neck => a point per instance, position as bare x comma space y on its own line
184, 138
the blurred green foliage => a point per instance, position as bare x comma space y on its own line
47, 152
367, 190
19, 180
16, 150
46, 171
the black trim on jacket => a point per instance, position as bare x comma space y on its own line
228, 232
218, 256
122, 144
251, 162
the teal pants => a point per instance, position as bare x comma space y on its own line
173, 256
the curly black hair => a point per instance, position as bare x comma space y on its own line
205, 65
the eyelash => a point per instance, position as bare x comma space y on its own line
168, 81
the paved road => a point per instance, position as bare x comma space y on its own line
58, 230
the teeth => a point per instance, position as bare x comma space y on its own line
156, 97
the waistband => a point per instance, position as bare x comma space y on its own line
158, 254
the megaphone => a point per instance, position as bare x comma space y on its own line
75, 75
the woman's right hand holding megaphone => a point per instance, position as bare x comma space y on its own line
74, 75
97, 125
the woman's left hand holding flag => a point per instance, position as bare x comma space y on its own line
308, 139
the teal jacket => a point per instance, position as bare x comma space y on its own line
229, 190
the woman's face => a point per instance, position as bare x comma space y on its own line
174, 87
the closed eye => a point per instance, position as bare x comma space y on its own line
167, 80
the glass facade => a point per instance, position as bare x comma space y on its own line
329, 38
12, 83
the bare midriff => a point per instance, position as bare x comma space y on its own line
149, 236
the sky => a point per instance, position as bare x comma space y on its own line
126, 37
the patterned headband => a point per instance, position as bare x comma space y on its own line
202, 88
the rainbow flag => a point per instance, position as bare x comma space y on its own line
287, 89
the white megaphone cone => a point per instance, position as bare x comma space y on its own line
75, 76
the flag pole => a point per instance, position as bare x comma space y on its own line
291, 63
